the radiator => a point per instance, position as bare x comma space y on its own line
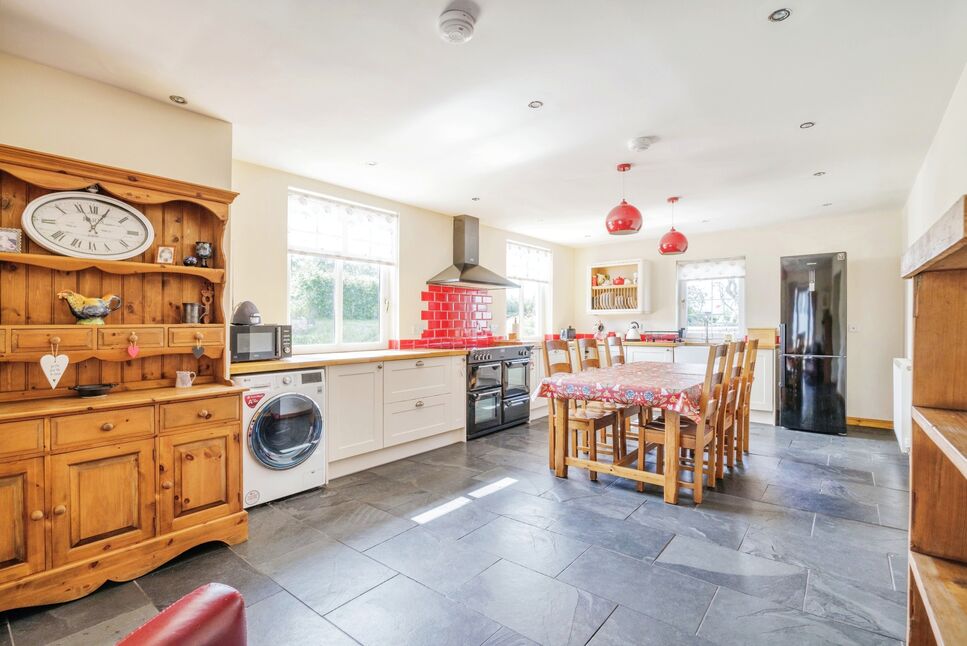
902, 395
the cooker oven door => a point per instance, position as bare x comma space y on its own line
517, 409
484, 376
516, 378
483, 411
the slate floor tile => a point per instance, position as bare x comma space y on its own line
625, 626
847, 599
824, 554
402, 611
523, 480
535, 548
866, 494
384, 493
677, 600
692, 521
5, 638
900, 565
326, 575
507, 637
758, 514
526, 508
778, 582
272, 533
436, 478
792, 470
447, 516
105, 616
740, 619
166, 586
283, 619
886, 540
820, 503
356, 523
614, 503
540, 608
626, 537
438, 563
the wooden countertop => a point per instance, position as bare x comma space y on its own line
336, 359
56, 406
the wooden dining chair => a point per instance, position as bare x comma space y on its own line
697, 439
724, 393
589, 356
583, 419
730, 413
745, 394
614, 350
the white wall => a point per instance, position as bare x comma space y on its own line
426, 247
52, 111
874, 288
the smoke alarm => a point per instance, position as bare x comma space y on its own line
639, 144
456, 26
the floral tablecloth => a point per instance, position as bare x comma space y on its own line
670, 386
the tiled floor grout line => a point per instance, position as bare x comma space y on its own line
707, 608
596, 630
6, 622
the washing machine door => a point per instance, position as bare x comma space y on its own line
285, 431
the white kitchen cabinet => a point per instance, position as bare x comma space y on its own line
762, 396
458, 394
635, 353
354, 409
416, 378
406, 421
691, 354
538, 404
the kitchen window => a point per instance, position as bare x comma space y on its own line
711, 296
342, 273
530, 306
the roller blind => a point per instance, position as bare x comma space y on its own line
323, 226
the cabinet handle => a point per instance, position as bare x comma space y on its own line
167, 484
204, 414
107, 426
36, 515
133, 338
55, 340
60, 510
379, 366
199, 336
419, 404
419, 364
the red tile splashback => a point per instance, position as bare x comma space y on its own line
456, 317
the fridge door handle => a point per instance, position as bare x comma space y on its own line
782, 338
782, 371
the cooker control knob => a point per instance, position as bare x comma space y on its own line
287, 380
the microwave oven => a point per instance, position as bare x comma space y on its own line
260, 342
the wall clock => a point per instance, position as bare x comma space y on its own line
87, 225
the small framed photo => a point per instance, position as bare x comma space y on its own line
166, 255
11, 240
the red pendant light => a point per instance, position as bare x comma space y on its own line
624, 218
674, 242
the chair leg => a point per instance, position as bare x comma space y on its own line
720, 452
698, 473
745, 432
640, 486
550, 435
739, 436
660, 458
592, 452
730, 445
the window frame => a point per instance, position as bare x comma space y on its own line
545, 311
682, 309
388, 285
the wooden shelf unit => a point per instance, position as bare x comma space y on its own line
117, 267
630, 298
937, 582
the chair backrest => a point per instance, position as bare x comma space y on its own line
735, 381
738, 362
726, 394
557, 357
748, 372
588, 356
711, 389
615, 350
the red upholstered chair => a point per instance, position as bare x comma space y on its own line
212, 615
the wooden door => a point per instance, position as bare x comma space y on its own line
101, 499
21, 518
200, 476
354, 416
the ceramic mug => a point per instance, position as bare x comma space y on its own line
184, 379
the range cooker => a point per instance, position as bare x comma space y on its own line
498, 388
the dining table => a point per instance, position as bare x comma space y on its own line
675, 388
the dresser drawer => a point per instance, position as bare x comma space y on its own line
41, 339
71, 431
182, 415
192, 336
412, 420
415, 378
21, 437
114, 338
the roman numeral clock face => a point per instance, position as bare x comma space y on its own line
87, 225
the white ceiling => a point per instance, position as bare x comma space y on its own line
319, 88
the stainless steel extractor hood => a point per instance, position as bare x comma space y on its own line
465, 272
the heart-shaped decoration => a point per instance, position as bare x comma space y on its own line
54, 367
198, 351
133, 351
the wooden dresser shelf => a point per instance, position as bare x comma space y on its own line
119, 267
948, 430
942, 585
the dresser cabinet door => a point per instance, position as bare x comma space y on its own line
101, 499
200, 477
21, 518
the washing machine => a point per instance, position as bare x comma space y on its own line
285, 447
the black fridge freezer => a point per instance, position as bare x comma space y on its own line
811, 370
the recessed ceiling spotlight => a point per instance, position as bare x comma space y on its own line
779, 15
641, 144
180, 100
371, 163
819, 173
807, 124
535, 105
475, 199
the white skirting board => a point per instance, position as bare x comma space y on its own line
372, 459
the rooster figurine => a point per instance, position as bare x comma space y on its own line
90, 311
